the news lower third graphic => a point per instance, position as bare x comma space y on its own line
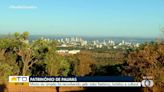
98, 81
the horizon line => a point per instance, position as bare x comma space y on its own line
90, 36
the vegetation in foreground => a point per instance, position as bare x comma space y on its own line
39, 58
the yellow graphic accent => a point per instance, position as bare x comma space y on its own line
14, 79
18, 84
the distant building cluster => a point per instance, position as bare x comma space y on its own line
73, 41
79, 43
93, 44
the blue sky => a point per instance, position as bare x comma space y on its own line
125, 18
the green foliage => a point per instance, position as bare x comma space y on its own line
64, 67
6, 70
8, 66
19, 57
45, 51
8, 44
25, 35
56, 65
39, 57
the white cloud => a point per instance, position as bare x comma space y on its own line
27, 7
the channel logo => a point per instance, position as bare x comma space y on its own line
18, 78
147, 83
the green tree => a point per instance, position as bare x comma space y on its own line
8, 65
25, 35
57, 65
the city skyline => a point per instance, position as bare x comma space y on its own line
115, 18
